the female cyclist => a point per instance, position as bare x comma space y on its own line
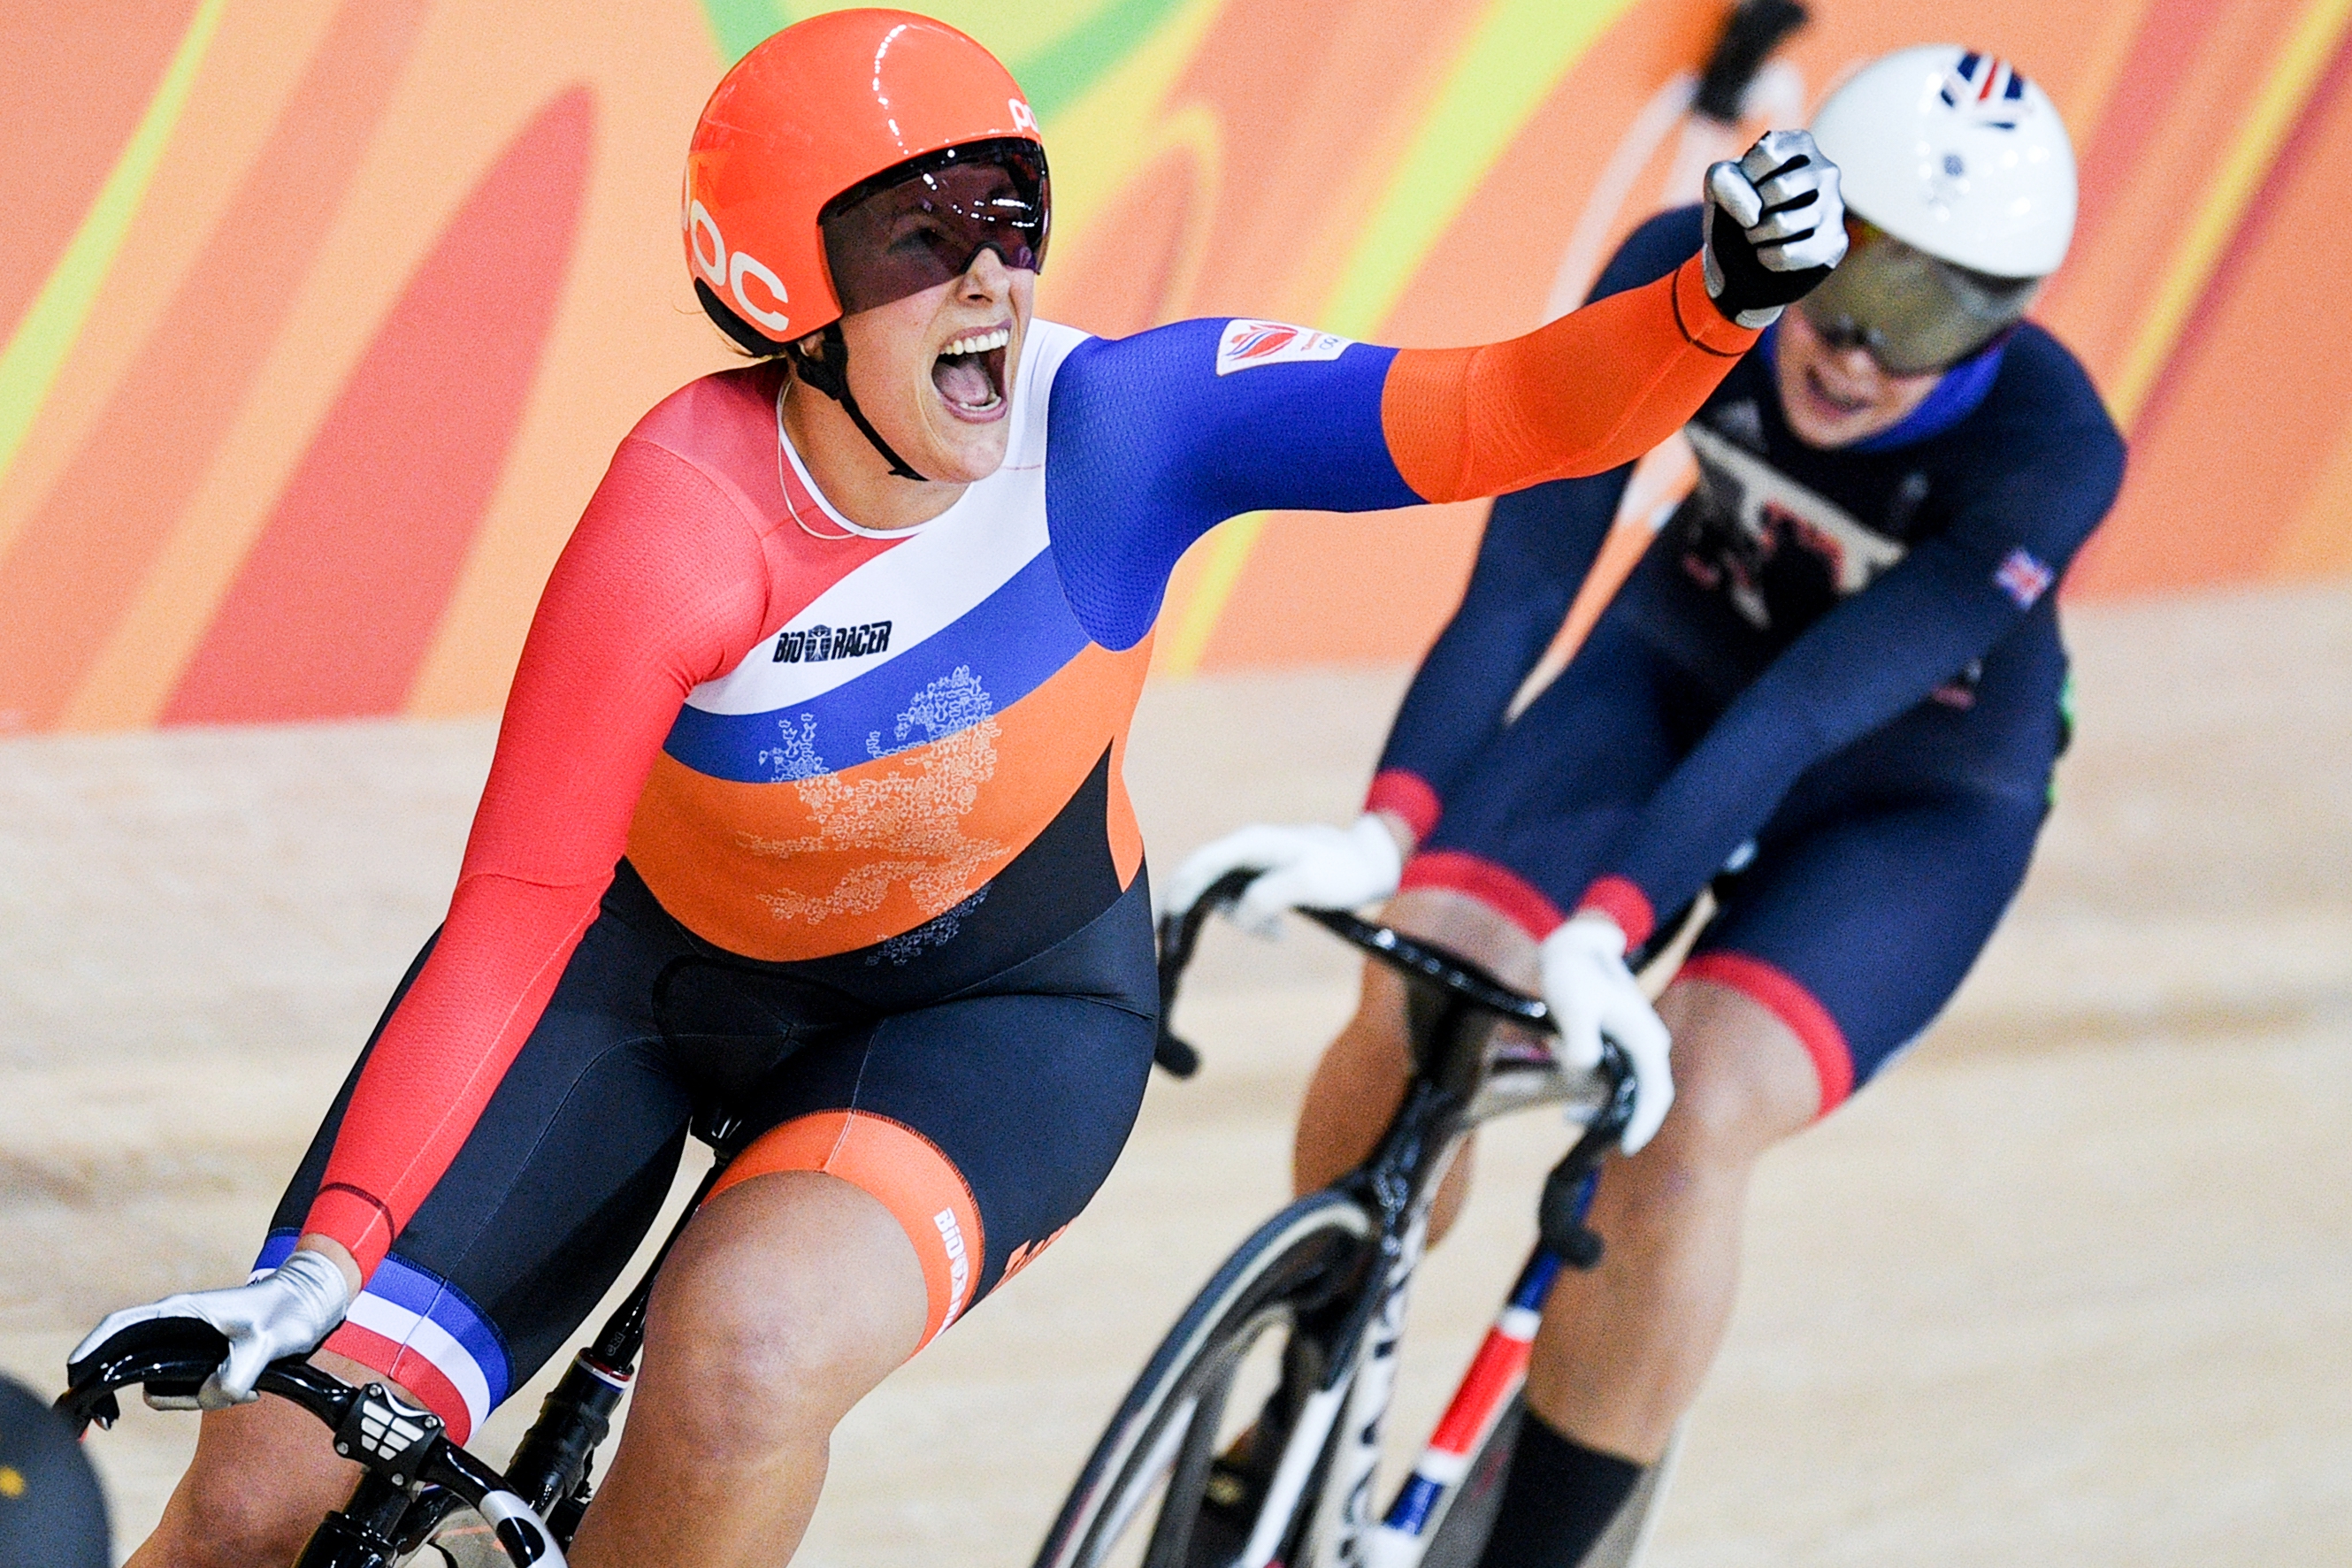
806, 813
1838, 668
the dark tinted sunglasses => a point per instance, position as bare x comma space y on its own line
924, 222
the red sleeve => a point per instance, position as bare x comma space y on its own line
1599, 387
663, 586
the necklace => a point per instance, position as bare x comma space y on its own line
785, 478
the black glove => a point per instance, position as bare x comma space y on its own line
1774, 226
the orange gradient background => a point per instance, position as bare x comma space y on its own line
322, 317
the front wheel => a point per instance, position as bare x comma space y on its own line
1139, 1499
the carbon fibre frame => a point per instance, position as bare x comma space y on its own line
1466, 1070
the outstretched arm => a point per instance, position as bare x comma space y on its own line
1595, 389
1157, 437
1603, 385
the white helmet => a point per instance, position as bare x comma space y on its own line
1956, 154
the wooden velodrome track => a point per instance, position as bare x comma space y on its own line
2074, 1284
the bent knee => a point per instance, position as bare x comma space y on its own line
1743, 1081
781, 1310
236, 1513
740, 1383
1721, 1119
793, 1338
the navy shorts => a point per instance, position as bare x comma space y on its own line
984, 1118
1875, 884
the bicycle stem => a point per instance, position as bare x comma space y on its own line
362, 1530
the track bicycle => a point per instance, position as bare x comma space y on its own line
1314, 1303
1332, 1271
422, 1498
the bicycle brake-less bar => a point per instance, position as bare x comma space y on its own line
1179, 935
1448, 970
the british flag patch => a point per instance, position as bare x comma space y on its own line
1985, 87
2022, 577
1245, 345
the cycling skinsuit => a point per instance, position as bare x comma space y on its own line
823, 829
1848, 660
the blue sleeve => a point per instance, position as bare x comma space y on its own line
1148, 446
1651, 251
1876, 656
1538, 546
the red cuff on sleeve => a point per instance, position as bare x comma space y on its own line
1409, 796
1625, 903
1787, 998
353, 1217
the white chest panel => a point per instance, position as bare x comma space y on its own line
937, 573
1768, 506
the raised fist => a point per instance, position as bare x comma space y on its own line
1774, 226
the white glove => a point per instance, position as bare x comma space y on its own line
284, 1312
1590, 993
1310, 864
1785, 228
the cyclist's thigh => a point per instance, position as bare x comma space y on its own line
1526, 826
984, 1123
1856, 930
545, 1200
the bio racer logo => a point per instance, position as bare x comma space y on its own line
1247, 345
959, 1262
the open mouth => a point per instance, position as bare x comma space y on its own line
969, 372
1843, 407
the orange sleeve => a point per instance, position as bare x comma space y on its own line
1599, 387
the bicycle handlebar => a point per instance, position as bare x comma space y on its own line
1180, 933
1561, 1212
174, 1357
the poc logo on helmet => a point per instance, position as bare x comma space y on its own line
1023, 117
729, 272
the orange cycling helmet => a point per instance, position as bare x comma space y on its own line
816, 114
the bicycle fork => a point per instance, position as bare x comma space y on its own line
1354, 1403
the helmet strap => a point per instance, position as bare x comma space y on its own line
829, 373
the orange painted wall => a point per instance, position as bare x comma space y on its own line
322, 317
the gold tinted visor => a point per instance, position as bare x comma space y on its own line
1913, 313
